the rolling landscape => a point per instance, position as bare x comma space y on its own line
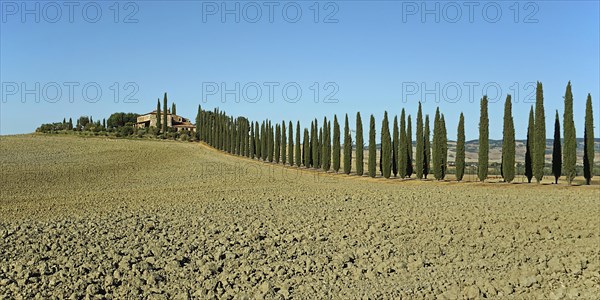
101, 221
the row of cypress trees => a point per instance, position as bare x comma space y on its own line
321, 147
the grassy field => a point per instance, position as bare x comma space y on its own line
115, 218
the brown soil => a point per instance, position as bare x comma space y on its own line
154, 219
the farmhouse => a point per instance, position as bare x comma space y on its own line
179, 123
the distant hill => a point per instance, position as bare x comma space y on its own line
472, 148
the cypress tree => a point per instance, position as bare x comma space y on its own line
283, 143
252, 139
419, 149
570, 141
444, 146
460, 149
540, 135
588, 142
311, 142
266, 141
242, 136
359, 146
482, 160
231, 140
164, 124
306, 150
263, 138
237, 134
291, 143
372, 148
508, 143
324, 146
158, 117
70, 124
336, 144
409, 148
529, 147
386, 147
319, 148
556, 151
347, 147
198, 122
173, 108
315, 145
298, 145
402, 146
271, 140
427, 151
277, 148
436, 155
257, 141
395, 137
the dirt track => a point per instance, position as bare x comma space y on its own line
129, 219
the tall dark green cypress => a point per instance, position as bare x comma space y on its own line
556, 151
419, 149
444, 146
359, 146
291, 143
347, 147
319, 148
436, 155
257, 141
336, 144
252, 141
402, 146
283, 144
539, 158
311, 143
315, 145
569, 159
460, 149
173, 108
427, 146
164, 124
297, 153
395, 137
482, 160
372, 148
324, 146
247, 134
508, 143
264, 139
319, 143
158, 117
198, 122
306, 150
277, 148
588, 142
271, 146
530, 146
409, 148
386, 147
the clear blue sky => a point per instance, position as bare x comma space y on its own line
374, 55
